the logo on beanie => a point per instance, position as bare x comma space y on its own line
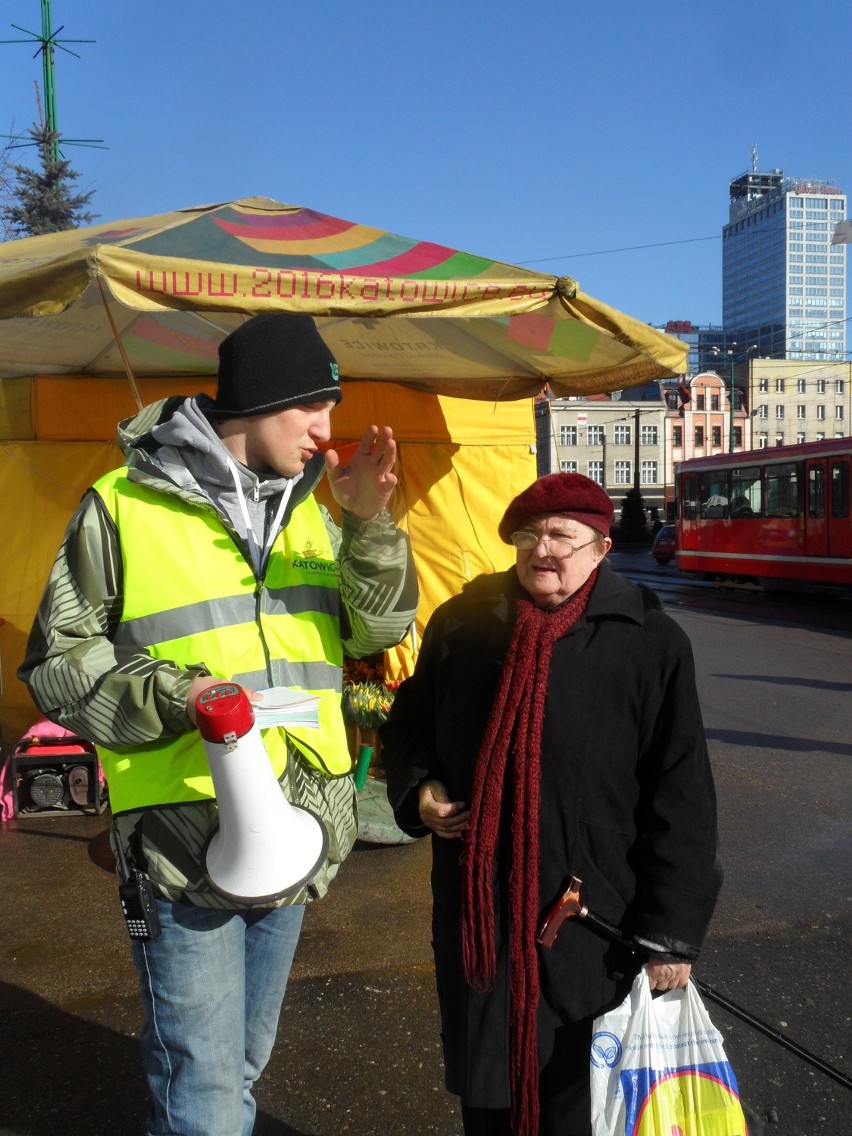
335, 372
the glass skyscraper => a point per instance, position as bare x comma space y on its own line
783, 282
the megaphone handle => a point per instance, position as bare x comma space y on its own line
365, 756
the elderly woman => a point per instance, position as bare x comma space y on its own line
552, 729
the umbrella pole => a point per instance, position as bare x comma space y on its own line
125, 360
569, 904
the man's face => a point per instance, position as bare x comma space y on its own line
285, 440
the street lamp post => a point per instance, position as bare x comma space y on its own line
731, 406
730, 352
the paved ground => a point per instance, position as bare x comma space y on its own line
358, 1048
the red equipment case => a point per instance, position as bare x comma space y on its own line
55, 775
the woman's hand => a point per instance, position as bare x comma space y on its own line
668, 975
446, 818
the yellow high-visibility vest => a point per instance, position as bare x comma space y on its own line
190, 596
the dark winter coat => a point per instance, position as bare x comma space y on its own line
627, 804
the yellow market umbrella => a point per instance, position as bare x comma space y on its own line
391, 308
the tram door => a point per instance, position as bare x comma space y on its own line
839, 520
816, 521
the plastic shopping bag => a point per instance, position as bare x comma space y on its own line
658, 1068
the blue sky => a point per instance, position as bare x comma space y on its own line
533, 133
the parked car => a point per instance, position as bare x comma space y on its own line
663, 548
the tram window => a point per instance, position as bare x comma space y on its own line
816, 491
840, 489
713, 495
745, 493
688, 502
780, 491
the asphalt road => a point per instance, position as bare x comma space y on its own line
774, 674
358, 1048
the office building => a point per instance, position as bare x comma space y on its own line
617, 440
709, 344
791, 402
783, 281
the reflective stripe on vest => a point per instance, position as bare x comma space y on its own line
191, 597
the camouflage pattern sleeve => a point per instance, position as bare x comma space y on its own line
75, 674
378, 584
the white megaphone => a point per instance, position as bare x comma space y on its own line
265, 848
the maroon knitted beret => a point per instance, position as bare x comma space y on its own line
571, 494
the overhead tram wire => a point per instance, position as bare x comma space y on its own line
638, 248
663, 244
627, 248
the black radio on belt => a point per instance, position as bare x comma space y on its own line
136, 895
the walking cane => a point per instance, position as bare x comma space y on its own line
569, 904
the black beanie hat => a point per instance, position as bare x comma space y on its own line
272, 361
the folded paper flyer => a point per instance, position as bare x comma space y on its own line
283, 706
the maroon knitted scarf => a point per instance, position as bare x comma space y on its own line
513, 736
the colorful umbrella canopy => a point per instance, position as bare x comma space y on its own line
153, 296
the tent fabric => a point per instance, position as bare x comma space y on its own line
391, 308
85, 409
459, 463
41, 485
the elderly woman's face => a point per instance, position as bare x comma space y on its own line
546, 572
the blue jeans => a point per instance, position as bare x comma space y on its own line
212, 987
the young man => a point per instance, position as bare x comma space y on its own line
206, 557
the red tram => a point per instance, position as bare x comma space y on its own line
764, 515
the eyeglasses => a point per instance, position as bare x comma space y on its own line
558, 546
